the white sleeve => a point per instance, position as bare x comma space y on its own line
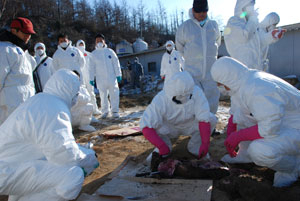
202, 110
55, 63
57, 141
92, 67
180, 41
268, 109
5, 66
181, 60
218, 35
116, 64
153, 115
162, 66
266, 38
241, 30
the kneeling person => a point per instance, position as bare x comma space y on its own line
181, 108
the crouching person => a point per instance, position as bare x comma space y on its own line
180, 109
267, 109
39, 158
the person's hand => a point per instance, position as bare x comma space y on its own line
119, 79
231, 143
164, 150
278, 33
203, 150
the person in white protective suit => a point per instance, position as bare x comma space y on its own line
16, 83
89, 73
198, 39
69, 57
246, 40
268, 116
181, 108
44, 68
108, 74
39, 158
172, 61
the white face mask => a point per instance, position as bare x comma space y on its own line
40, 52
81, 48
183, 98
64, 44
99, 45
169, 48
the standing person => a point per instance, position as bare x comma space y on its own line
39, 158
16, 83
198, 39
89, 73
44, 69
243, 38
267, 26
137, 73
67, 56
268, 116
108, 74
172, 62
180, 108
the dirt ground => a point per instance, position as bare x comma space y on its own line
246, 183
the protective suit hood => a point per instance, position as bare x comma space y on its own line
193, 18
80, 41
271, 19
240, 4
169, 42
181, 83
38, 58
63, 84
229, 72
39, 45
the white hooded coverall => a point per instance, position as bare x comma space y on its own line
245, 41
16, 82
272, 104
107, 68
171, 63
71, 59
45, 69
171, 120
39, 158
199, 47
89, 73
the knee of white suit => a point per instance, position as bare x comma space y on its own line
70, 185
262, 154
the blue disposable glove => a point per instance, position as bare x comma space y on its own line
92, 82
119, 78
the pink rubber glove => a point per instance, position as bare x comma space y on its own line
231, 127
204, 128
151, 135
247, 134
